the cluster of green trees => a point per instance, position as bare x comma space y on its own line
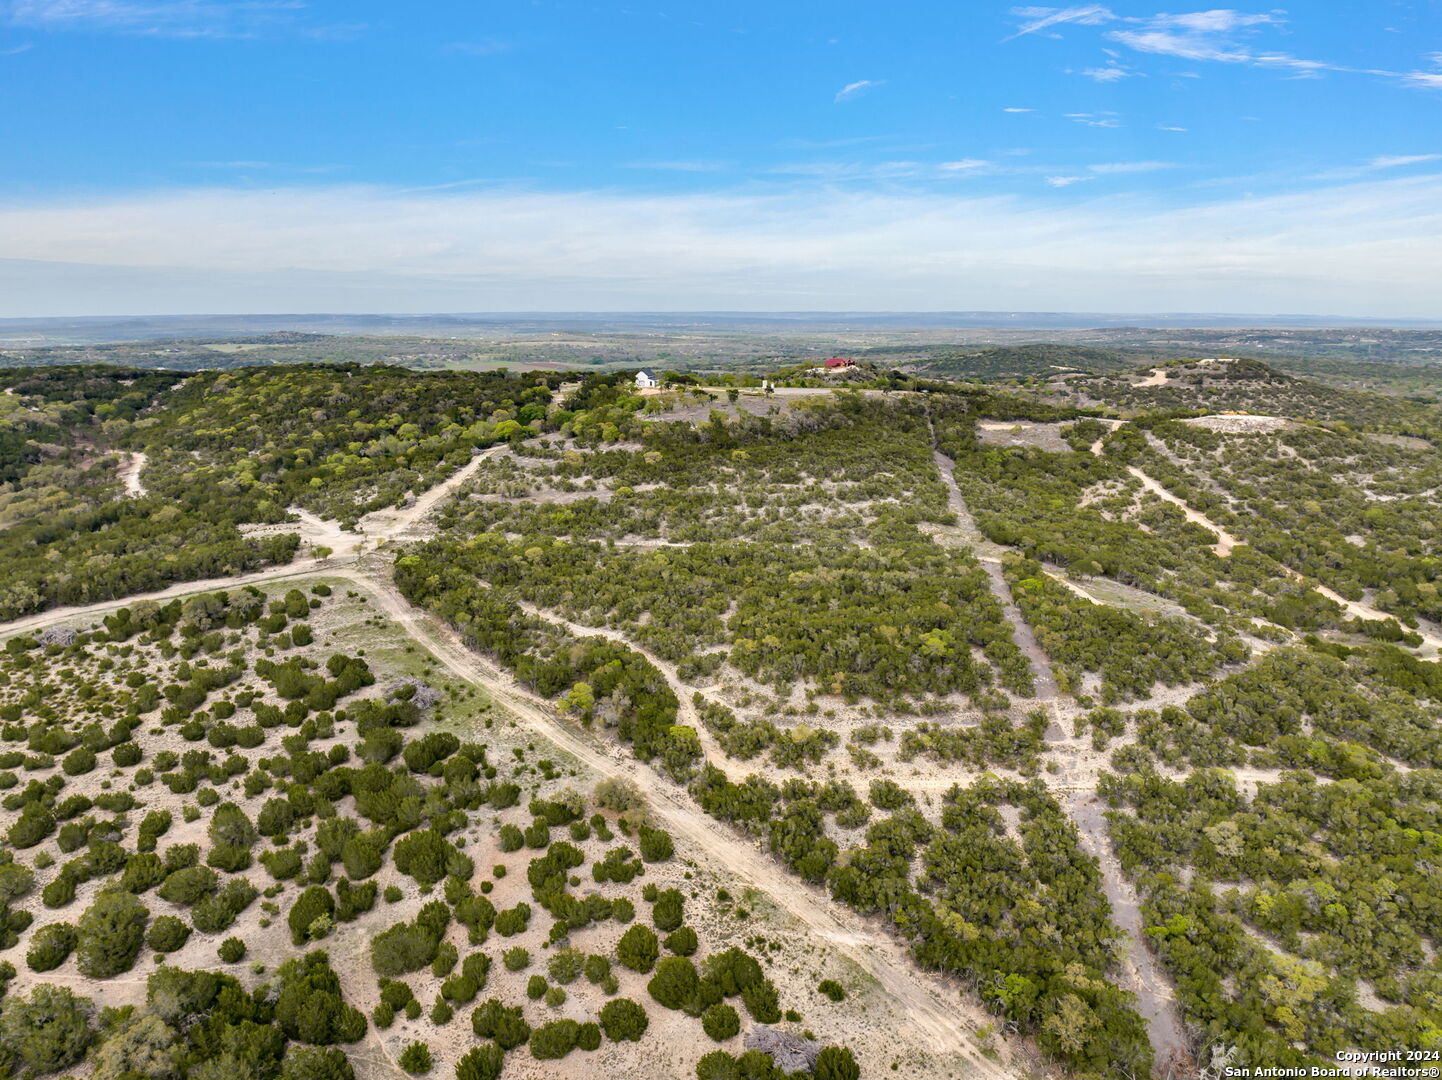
1131, 653
833, 583
199, 1023
1297, 896
1021, 919
341, 439
225, 449
1341, 506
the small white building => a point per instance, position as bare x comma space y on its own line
645, 380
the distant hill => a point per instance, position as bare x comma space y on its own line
1032, 361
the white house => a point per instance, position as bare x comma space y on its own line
645, 380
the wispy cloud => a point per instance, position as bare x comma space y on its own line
1067, 181
964, 165
168, 18
1113, 72
1097, 120
1040, 18
1219, 35
1392, 161
1017, 109
1170, 127
856, 89
253, 165
1376, 165
1121, 168
1371, 247
689, 166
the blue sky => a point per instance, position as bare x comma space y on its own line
241, 155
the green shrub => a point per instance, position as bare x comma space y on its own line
187, 885
50, 946
78, 762
48, 1031
143, 871
311, 916
111, 933
836, 1063
638, 949
309, 1005
668, 911
232, 950
403, 948
167, 934
832, 989
554, 1040
217, 912
623, 1019
674, 982
655, 844
720, 1022
416, 1059
316, 1063
482, 1063
682, 942
719, 1065
517, 959
493, 1020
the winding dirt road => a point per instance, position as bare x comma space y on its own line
939, 1018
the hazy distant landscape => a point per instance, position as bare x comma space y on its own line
748, 541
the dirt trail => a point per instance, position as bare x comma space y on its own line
1225, 540
302, 568
392, 523
1142, 974
936, 1014
940, 1019
130, 466
687, 713
1045, 681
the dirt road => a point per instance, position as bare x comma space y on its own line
940, 1019
1041, 673
130, 466
936, 1012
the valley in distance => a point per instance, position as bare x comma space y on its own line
722, 696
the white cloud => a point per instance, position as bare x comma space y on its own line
1376, 164
1102, 120
964, 165
679, 166
1039, 18
1067, 181
16, 50
1111, 73
1219, 21
1392, 161
1428, 80
1371, 247
1120, 168
169, 18
1017, 109
851, 90
1170, 127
